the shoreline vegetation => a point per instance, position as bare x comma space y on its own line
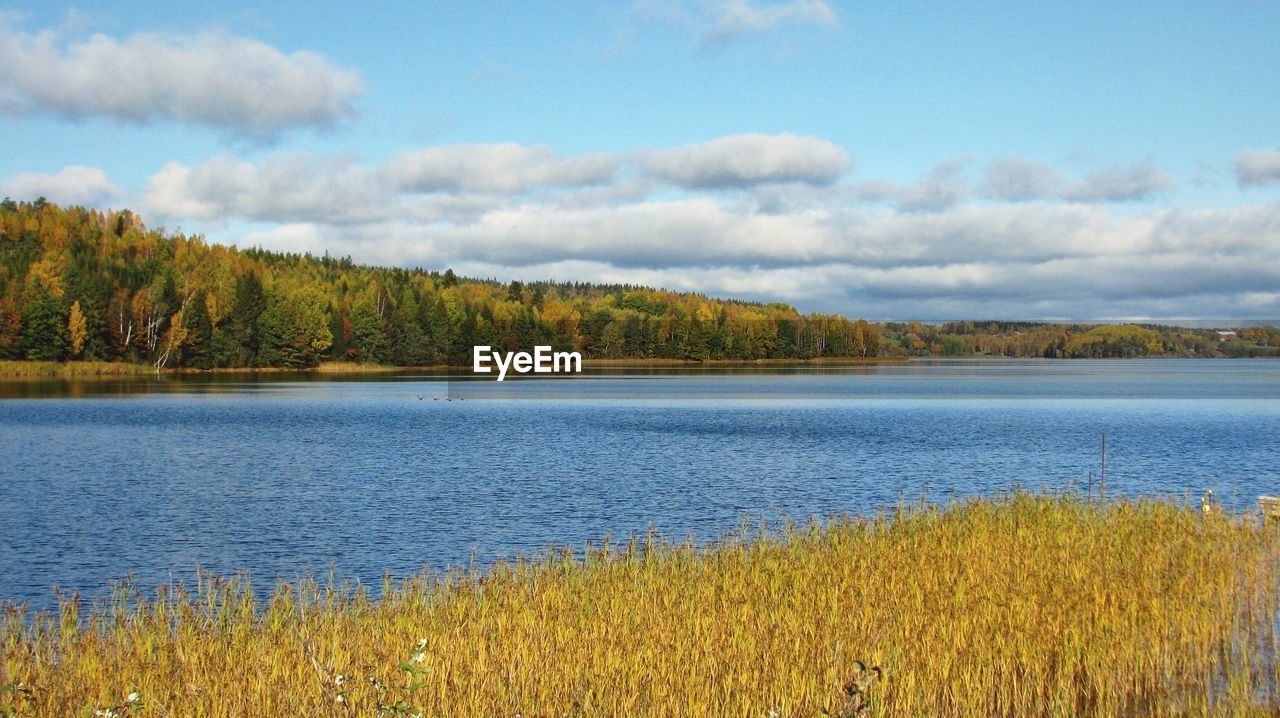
20, 368
75, 369
1025, 604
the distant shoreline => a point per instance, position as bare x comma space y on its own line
27, 369
824, 361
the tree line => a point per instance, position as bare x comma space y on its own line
77, 283
1076, 341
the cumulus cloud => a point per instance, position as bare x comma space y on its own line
213, 79
1019, 261
745, 160
286, 188
723, 21
1258, 167
76, 184
505, 168
942, 187
1123, 184
1014, 179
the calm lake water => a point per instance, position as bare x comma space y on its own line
288, 476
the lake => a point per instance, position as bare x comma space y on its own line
288, 476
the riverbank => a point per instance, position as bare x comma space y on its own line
18, 369
1027, 605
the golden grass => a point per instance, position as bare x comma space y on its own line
19, 368
1019, 606
351, 367
39, 369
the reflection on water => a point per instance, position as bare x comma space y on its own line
282, 475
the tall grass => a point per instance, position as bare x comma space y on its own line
37, 369
1018, 606
19, 368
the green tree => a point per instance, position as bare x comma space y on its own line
368, 335
198, 351
250, 302
407, 339
44, 329
294, 330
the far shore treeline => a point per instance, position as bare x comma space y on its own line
81, 284
87, 285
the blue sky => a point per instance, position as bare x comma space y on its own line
894, 160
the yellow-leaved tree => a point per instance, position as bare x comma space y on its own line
76, 329
173, 339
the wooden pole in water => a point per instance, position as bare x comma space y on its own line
1103, 476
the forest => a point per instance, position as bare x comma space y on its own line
83, 284
1077, 341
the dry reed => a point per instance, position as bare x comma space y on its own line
1026, 605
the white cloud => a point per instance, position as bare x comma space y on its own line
76, 184
750, 159
1258, 167
943, 187
722, 21
1028, 261
1015, 179
297, 238
647, 234
213, 79
1122, 184
734, 19
285, 188
504, 168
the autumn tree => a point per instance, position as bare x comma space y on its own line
76, 330
10, 330
294, 330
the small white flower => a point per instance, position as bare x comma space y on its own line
131, 698
340, 698
422, 643
339, 679
419, 657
